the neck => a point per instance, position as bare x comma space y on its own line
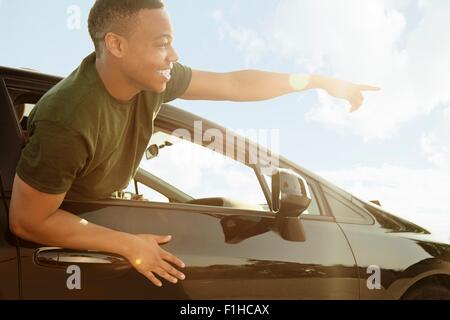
115, 82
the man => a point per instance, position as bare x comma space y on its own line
89, 132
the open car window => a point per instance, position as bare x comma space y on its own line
200, 173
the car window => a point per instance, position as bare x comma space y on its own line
313, 208
148, 193
201, 172
340, 207
22, 112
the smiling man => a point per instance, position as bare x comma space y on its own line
87, 134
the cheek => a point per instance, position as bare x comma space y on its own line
144, 63
141, 65
150, 55
156, 58
151, 63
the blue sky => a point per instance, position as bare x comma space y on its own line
394, 149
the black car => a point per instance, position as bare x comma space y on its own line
301, 238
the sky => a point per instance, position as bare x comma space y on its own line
395, 148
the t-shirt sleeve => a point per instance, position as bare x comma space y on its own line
180, 78
52, 158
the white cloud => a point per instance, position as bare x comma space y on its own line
436, 143
217, 15
363, 42
421, 196
247, 40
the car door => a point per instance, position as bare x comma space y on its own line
230, 253
10, 140
9, 276
219, 266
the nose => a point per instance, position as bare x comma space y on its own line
172, 55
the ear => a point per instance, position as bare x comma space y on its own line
115, 44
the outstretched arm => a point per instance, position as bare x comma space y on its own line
255, 85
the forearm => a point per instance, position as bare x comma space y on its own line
254, 85
64, 229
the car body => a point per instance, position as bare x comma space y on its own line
348, 249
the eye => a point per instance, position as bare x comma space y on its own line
164, 45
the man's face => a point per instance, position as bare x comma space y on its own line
149, 54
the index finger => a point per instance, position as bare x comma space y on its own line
369, 88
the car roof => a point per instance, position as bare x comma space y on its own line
29, 73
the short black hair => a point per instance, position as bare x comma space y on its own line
115, 16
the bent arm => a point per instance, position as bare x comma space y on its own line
35, 216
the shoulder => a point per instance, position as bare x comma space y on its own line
70, 101
181, 76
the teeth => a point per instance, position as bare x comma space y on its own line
165, 73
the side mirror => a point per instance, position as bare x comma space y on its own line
290, 197
290, 193
151, 152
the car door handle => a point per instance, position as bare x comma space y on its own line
50, 256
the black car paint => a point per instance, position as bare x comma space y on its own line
248, 261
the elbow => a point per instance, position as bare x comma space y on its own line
15, 224
18, 226
28, 211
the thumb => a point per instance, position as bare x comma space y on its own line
162, 239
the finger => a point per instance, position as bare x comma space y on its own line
356, 100
164, 274
355, 106
171, 258
369, 88
153, 279
162, 239
171, 270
